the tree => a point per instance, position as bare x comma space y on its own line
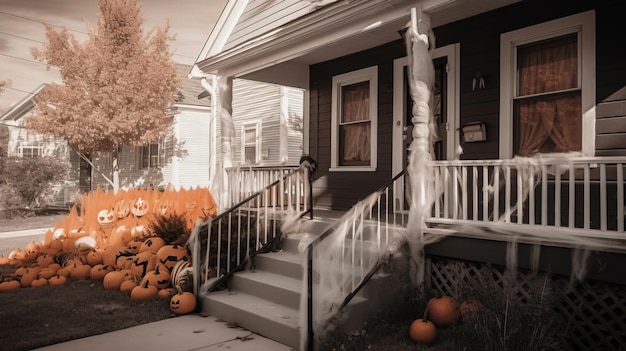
117, 85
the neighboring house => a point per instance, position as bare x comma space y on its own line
513, 78
268, 132
20, 142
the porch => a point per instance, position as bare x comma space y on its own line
542, 214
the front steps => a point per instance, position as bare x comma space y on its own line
266, 298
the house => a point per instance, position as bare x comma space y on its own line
20, 142
188, 157
528, 104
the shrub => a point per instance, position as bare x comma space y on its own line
32, 178
171, 227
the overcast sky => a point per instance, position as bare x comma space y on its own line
21, 28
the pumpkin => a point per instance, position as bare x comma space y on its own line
57, 280
152, 244
183, 302
39, 282
80, 272
85, 245
45, 260
114, 279
32, 250
143, 263
120, 236
422, 330
4, 260
115, 256
128, 285
134, 246
28, 277
64, 271
140, 232
143, 292
10, 285
443, 311
159, 277
95, 257
54, 266
47, 272
106, 218
166, 293
17, 255
139, 208
169, 255
122, 209
98, 271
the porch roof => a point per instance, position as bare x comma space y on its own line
318, 32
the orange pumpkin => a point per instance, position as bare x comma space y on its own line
422, 331
57, 280
28, 277
10, 285
98, 271
45, 260
113, 280
128, 285
152, 244
144, 262
443, 311
80, 272
143, 292
159, 277
64, 271
94, 257
169, 255
47, 273
183, 303
4, 260
39, 282
166, 293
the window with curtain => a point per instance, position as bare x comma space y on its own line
354, 120
355, 125
547, 105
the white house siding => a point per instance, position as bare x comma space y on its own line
295, 100
262, 16
188, 163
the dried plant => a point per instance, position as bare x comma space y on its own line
171, 227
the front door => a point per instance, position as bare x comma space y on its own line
445, 111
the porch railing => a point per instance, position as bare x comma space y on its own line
244, 181
225, 243
579, 195
343, 259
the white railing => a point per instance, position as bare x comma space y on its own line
545, 193
246, 180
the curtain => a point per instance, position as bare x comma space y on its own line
355, 123
550, 122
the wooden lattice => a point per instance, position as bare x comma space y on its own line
593, 312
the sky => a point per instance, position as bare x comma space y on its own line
21, 28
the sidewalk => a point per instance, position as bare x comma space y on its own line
183, 333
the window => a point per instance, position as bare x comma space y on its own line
548, 94
354, 120
30, 151
250, 142
151, 156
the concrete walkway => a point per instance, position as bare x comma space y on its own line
182, 333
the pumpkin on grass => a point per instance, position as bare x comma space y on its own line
114, 279
166, 293
422, 330
128, 285
183, 302
443, 311
10, 285
39, 282
57, 280
143, 292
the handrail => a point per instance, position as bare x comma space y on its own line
227, 242
363, 206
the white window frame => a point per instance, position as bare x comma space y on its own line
366, 74
30, 146
583, 24
256, 126
150, 164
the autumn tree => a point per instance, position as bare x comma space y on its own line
117, 85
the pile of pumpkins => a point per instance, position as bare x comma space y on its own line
440, 312
114, 246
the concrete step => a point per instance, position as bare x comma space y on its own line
286, 263
269, 319
270, 286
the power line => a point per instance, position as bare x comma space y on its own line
21, 58
22, 91
40, 21
24, 38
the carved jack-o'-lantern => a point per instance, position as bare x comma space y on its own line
105, 218
140, 207
161, 207
169, 255
122, 208
144, 262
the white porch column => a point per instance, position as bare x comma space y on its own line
225, 113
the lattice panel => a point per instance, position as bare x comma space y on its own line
595, 312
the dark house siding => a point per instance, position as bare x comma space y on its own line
340, 190
479, 39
